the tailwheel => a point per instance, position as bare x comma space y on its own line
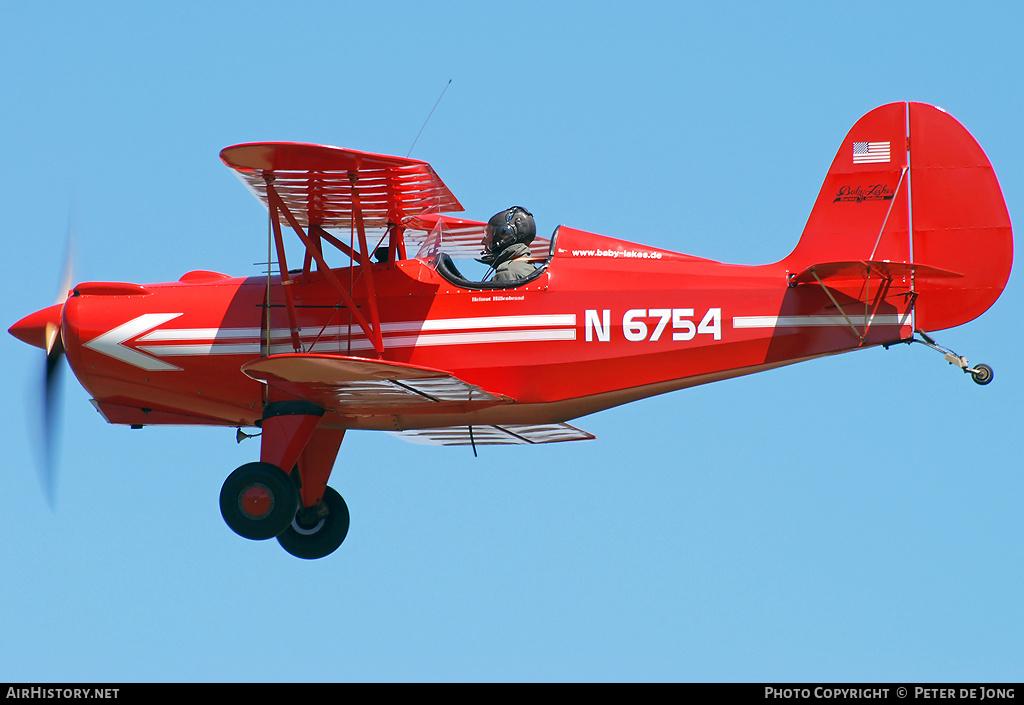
317, 531
981, 374
258, 501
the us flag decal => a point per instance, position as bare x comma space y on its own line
870, 152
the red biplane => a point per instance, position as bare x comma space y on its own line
909, 234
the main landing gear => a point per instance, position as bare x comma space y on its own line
260, 500
981, 373
316, 531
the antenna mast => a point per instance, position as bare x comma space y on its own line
428, 117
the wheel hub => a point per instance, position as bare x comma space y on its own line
310, 520
256, 500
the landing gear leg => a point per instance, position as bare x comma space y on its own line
259, 500
981, 374
322, 521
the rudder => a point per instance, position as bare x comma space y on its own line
960, 221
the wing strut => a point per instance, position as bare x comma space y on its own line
317, 188
868, 317
286, 282
854, 278
357, 212
279, 207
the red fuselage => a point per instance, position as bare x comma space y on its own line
608, 322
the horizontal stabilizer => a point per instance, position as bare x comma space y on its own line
355, 385
859, 271
509, 434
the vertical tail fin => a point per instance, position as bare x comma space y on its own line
910, 185
862, 206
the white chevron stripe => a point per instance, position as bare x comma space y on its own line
184, 342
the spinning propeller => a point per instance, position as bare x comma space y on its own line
43, 329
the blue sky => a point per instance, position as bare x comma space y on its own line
855, 518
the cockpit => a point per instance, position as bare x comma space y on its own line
453, 247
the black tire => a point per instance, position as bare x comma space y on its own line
258, 501
982, 374
319, 539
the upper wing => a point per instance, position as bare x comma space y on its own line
318, 183
322, 186
315, 188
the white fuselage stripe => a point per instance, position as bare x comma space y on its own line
392, 341
817, 321
446, 331
441, 324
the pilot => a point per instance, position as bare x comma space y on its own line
506, 244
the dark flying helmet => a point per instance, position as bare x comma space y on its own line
509, 227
